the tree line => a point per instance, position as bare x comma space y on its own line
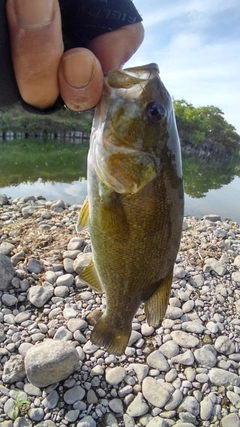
205, 125
197, 126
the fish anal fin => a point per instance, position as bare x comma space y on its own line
113, 340
155, 307
83, 217
94, 316
90, 276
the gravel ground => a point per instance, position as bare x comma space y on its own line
185, 373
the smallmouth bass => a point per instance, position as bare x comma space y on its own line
134, 208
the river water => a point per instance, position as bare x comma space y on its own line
57, 170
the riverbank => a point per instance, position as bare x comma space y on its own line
16, 123
184, 373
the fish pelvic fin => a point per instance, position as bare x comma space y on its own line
156, 306
90, 276
113, 340
83, 218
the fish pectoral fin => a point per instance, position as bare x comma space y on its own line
90, 276
113, 340
83, 217
115, 219
156, 306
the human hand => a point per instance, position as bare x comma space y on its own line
43, 70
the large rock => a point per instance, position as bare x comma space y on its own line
50, 362
6, 272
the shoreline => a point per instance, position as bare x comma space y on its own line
184, 373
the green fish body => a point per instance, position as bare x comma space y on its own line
134, 208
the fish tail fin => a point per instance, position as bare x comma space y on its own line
112, 339
156, 306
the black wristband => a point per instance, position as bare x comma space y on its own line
82, 20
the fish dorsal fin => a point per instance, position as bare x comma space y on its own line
156, 306
90, 276
83, 217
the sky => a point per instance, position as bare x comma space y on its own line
196, 44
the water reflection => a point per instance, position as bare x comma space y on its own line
211, 173
73, 192
57, 170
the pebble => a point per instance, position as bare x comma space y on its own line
73, 395
183, 373
13, 370
6, 272
157, 360
224, 345
206, 356
169, 349
221, 377
190, 404
186, 358
141, 370
183, 339
115, 375
116, 405
65, 280
206, 408
87, 421
39, 295
154, 392
138, 406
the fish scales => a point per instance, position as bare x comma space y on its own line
135, 202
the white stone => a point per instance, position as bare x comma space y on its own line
169, 349
224, 345
138, 406
154, 392
220, 377
157, 360
184, 339
115, 375
50, 362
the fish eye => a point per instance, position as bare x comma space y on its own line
155, 111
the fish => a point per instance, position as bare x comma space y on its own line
134, 208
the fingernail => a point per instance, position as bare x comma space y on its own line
34, 13
78, 69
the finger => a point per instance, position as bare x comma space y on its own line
80, 79
36, 43
80, 72
115, 48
